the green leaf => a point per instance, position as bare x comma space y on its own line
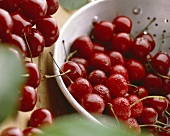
11, 69
73, 4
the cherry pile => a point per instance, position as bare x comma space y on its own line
28, 26
111, 72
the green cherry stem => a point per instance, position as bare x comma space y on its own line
152, 125
70, 55
167, 112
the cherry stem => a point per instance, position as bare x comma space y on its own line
152, 125
167, 112
162, 41
133, 86
64, 48
60, 69
51, 76
161, 123
70, 55
25, 75
28, 46
147, 97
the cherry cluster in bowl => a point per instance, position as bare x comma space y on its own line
109, 72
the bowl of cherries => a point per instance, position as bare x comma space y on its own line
112, 58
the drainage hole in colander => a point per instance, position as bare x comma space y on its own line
166, 20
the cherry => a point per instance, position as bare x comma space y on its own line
99, 48
166, 85
79, 88
122, 42
38, 8
10, 5
28, 99
34, 78
100, 61
36, 43
83, 45
163, 118
141, 47
97, 77
161, 63
75, 72
80, 61
83, 70
93, 103
6, 23
123, 24
148, 116
136, 70
116, 58
103, 31
53, 6
12, 131
121, 107
140, 91
41, 117
31, 131
103, 92
49, 41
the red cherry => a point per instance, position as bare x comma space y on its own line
80, 61
28, 99
140, 91
136, 70
83, 70
103, 31
99, 48
117, 85
53, 6
123, 24
10, 5
166, 85
122, 42
163, 118
97, 77
31, 131
121, 108
38, 8
79, 88
41, 117
93, 103
49, 41
12, 131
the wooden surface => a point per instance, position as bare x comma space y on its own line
49, 94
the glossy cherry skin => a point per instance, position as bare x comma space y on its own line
28, 99
34, 78
99, 48
136, 70
166, 86
123, 24
36, 42
83, 70
121, 107
53, 6
41, 117
122, 42
75, 72
80, 61
10, 5
97, 77
12, 131
31, 131
103, 31
148, 116
93, 103
161, 62
21, 24
38, 8
117, 85
140, 91
79, 88
163, 118
49, 41
6, 24
83, 45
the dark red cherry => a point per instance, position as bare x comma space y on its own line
103, 92
79, 88
148, 116
140, 91
99, 48
53, 6
36, 43
80, 61
116, 58
103, 31
12, 131
83, 45
136, 70
166, 85
117, 85
34, 9
122, 42
41, 117
163, 118
121, 108
31, 131
10, 5
6, 22
49, 41
123, 24
83, 70
93, 103
97, 77
28, 99
34, 78
75, 72
161, 63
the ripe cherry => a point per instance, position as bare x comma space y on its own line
79, 88
12, 131
163, 118
140, 91
122, 42
10, 5
117, 85
31, 131
83, 70
80, 61
166, 86
123, 24
93, 103
41, 117
103, 31
99, 48
49, 41
53, 6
